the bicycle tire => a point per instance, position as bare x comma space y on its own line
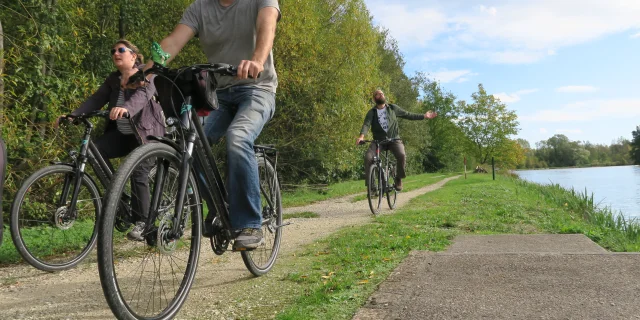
113, 282
43, 253
374, 190
392, 193
262, 259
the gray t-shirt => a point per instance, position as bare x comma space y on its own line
228, 35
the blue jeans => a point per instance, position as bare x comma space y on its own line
242, 114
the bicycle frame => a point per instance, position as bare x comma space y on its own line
197, 158
208, 176
381, 160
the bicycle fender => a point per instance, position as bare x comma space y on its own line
166, 141
69, 164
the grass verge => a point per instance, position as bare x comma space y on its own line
304, 195
334, 277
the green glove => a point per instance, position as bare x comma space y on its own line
158, 55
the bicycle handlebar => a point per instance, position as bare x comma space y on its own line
82, 118
218, 68
379, 141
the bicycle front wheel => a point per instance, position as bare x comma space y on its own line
374, 190
150, 279
392, 193
260, 260
46, 234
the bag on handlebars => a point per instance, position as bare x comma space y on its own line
201, 86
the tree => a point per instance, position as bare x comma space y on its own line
487, 123
620, 152
510, 154
635, 146
444, 149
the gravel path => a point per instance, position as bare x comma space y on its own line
222, 286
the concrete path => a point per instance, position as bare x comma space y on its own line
511, 277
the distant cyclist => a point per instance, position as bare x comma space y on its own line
383, 121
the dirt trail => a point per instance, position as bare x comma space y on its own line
222, 283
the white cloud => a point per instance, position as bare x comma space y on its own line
577, 89
573, 131
514, 97
510, 32
446, 76
404, 22
600, 110
543, 130
637, 35
496, 57
491, 10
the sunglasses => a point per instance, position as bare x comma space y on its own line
121, 50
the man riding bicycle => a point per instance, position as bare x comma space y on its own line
238, 33
383, 121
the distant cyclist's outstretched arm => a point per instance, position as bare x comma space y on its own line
401, 113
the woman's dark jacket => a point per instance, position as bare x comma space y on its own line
140, 103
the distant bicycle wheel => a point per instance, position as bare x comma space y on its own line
392, 193
374, 190
47, 235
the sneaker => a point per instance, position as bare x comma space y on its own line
136, 233
398, 184
248, 239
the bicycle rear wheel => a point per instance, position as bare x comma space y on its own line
150, 279
260, 260
392, 193
374, 192
45, 233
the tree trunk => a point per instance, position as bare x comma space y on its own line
121, 25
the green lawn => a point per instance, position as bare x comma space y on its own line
334, 277
304, 196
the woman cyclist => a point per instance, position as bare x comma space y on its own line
140, 104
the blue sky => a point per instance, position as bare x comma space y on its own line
565, 66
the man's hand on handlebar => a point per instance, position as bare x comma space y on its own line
117, 113
249, 69
359, 140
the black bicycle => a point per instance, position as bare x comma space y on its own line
381, 178
151, 279
54, 213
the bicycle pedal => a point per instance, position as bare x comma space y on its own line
283, 225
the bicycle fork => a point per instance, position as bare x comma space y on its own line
81, 163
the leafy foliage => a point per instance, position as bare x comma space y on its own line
559, 151
329, 56
635, 146
487, 123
